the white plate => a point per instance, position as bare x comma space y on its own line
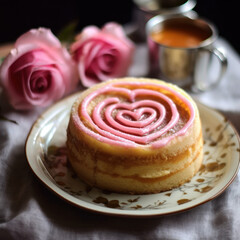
46, 155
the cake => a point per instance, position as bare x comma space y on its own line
135, 135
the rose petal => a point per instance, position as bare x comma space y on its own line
55, 88
102, 54
106, 59
91, 50
117, 31
114, 29
87, 33
38, 57
42, 36
87, 80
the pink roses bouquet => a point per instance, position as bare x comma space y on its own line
39, 70
102, 54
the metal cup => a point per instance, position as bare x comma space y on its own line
146, 9
187, 67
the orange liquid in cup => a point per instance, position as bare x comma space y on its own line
186, 37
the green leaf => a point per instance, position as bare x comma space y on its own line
67, 33
1, 60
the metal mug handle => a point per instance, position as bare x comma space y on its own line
204, 60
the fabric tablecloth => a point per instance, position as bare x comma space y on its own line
28, 210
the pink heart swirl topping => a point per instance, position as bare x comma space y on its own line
135, 113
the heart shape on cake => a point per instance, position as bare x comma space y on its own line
127, 129
134, 114
136, 110
139, 117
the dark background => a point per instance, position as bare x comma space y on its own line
17, 17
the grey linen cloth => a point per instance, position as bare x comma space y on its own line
29, 211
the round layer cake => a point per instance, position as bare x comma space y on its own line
135, 135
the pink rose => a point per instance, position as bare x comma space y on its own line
102, 54
38, 71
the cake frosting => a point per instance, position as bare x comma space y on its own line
136, 133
